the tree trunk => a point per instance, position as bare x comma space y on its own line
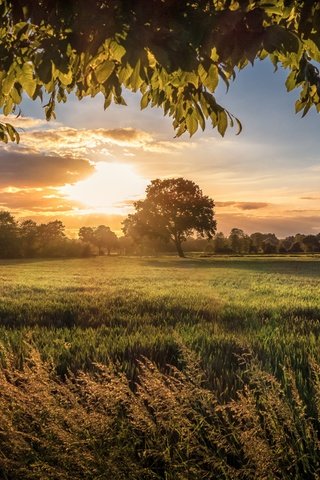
179, 248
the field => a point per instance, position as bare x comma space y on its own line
234, 351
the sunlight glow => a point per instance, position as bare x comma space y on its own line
111, 189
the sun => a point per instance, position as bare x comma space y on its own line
110, 189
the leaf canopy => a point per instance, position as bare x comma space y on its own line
175, 53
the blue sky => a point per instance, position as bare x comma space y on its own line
266, 179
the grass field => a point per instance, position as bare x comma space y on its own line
236, 323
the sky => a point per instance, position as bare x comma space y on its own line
90, 165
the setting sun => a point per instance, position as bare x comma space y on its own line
111, 189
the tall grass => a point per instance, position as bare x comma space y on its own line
94, 426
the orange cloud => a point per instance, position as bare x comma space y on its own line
35, 170
35, 199
251, 205
243, 205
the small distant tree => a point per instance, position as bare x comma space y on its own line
236, 238
311, 243
282, 247
296, 247
220, 243
101, 237
86, 234
257, 242
173, 210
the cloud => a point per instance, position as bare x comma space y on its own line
309, 198
24, 122
83, 142
224, 204
251, 205
35, 200
243, 205
36, 170
100, 143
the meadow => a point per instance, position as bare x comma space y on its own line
160, 368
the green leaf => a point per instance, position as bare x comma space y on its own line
291, 81
15, 95
45, 70
12, 132
107, 101
65, 78
200, 116
306, 108
7, 109
8, 83
135, 79
224, 77
117, 51
192, 123
27, 80
239, 126
104, 70
212, 80
299, 105
202, 73
222, 122
144, 100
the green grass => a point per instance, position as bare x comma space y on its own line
250, 325
82, 311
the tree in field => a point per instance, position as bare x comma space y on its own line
86, 234
172, 210
28, 237
175, 53
102, 237
51, 236
105, 238
221, 244
311, 243
257, 239
236, 240
8, 235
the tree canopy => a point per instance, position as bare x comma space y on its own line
174, 52
101, 236
174, 208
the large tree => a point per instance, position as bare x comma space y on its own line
172, 210
174, 52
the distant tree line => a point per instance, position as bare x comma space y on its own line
238, 242
28, 239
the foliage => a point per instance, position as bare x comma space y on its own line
172, 210
28, 239
174, 53
101, 236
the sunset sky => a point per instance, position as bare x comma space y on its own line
90, 165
